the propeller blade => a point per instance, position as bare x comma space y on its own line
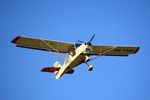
80, 41
92, 38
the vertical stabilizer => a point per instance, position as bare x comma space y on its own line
57, 64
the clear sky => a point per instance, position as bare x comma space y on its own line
115, 22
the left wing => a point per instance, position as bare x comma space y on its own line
42, 44
113, 50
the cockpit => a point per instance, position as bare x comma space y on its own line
72, 53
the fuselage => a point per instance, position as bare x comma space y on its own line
75, 58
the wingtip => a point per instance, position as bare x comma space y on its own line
137, 49
15, 39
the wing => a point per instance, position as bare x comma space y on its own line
113, 50
41, 44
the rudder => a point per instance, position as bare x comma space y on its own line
57, 64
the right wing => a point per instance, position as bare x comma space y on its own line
41, 44
113, 50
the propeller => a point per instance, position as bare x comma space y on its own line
89, 42
92, 38
80, 41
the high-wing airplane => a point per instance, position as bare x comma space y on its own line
77, 53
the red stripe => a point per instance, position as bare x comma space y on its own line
15, 39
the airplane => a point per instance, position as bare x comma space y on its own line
77, 53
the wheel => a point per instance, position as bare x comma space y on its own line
90, 68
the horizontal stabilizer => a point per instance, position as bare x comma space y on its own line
53, 69
50, 69
69, 72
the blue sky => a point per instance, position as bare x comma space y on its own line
115, 22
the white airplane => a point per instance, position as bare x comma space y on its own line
77, 53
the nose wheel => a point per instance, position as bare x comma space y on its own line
90, 67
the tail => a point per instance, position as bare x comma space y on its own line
55, 69
57, 65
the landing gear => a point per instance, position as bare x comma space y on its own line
87, 58
90, 67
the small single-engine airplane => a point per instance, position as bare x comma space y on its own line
77, 53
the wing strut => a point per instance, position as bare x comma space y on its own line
101, 54
60, 55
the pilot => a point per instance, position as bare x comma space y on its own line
72, 53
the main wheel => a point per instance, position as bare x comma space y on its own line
90, 68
